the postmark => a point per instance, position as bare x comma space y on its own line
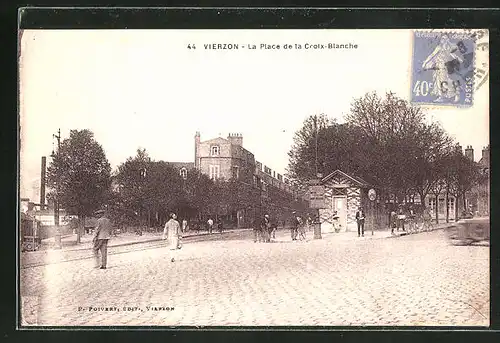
443, 68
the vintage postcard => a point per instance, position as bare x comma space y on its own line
261, 178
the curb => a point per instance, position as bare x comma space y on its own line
419, 232
110, 252
140, 242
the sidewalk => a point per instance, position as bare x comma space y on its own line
68, 242
124, 242
377, 234
127, 242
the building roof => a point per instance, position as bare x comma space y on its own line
356, 179
216, 140
485, 161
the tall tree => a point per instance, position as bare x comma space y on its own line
131, 178
198, 189
149, 188
302, 156
79, 175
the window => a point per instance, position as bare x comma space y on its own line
451, 204
214, 172
432, 203
235, 172
183, 173
255, 181
215, 150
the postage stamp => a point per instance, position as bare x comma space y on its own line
443, 68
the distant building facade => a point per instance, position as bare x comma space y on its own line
477, 199
480, 195
260, 189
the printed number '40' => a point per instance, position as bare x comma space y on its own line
422, 88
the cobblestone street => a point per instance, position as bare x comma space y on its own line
412, 280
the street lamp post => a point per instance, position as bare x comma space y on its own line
316, 184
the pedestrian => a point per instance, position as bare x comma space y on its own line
301, 229
360, 220
273, 228
266, 228
219, 225
335, 221
309, 223
427, 217
393, 221
257, 231
171, 234
295, 226
401, 219
210, 224
184, 225
102, 234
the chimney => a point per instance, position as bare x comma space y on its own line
42, 182
469, 152
196, 147
485, 152
235, 138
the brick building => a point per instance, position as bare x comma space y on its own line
259, 189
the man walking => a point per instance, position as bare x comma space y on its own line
171, 233
210, 224
257, 230
219, 225
360, 219
102, 235
295, 226
401, 219
266, 228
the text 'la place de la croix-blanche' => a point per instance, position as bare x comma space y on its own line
265, 46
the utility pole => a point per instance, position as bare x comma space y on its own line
56, 200
316, 139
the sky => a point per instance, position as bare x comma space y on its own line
145, 88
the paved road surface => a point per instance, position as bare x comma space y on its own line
412, 280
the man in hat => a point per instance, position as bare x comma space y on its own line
266, 228
360, 220
102, 235
295, 225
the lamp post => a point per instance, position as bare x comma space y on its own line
315, 187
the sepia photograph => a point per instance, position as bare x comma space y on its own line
254, 178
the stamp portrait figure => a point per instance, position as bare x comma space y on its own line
445, 86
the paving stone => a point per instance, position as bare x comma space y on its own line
411, 280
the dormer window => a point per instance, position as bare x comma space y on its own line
183, 172
215, 150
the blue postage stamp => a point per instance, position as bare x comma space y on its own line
443, 68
